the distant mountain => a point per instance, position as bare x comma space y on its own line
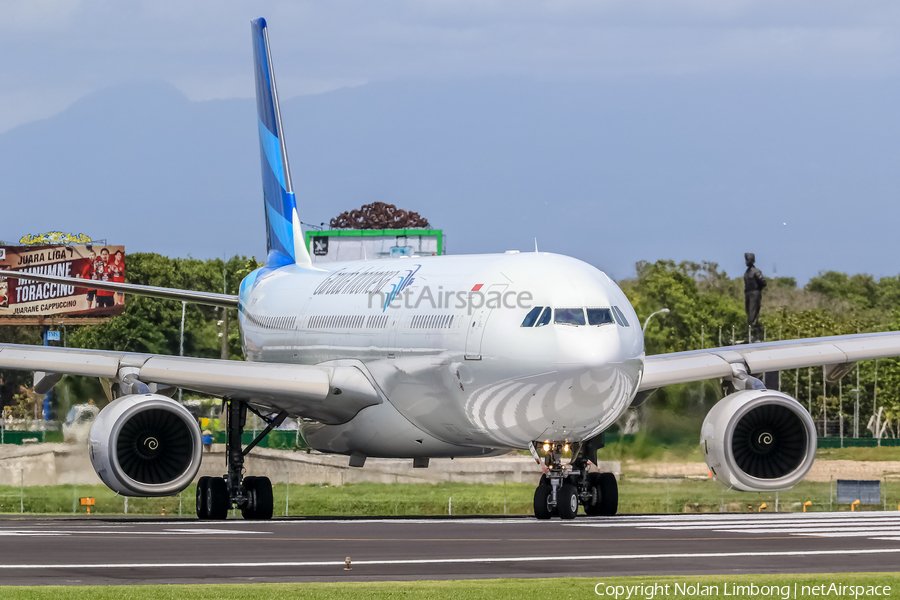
609, 172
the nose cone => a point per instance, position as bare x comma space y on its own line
587, 347
597, 375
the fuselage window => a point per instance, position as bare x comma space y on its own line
544, 319
569, 316
532, 316
620, 317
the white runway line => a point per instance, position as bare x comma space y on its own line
23, 532
736, 520
871, 525
436, 561
165, 532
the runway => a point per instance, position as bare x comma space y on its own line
105, 551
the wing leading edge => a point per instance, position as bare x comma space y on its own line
712, 363
209, 298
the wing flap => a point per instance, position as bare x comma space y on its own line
868, 348
792, 357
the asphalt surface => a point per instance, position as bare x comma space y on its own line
107, 551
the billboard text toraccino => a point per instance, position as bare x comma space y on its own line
90, 263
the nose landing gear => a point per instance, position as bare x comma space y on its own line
564, 487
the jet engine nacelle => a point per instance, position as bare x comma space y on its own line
145, 445
759, 440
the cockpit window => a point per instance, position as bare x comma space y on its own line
532, 316
599, 316
620, 317
545, 318
569, 316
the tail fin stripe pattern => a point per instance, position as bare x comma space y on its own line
272, 148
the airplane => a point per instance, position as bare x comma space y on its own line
426, 357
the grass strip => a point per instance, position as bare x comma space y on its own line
733, 587
376, 499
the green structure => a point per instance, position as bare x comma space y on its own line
373, 244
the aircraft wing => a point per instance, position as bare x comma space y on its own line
208, 298
330, 394
837, 353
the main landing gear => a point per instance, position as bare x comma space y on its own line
564, 487
253, 495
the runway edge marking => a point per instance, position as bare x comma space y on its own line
425, 561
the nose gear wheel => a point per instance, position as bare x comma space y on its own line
563, 488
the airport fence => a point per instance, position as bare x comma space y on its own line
284, 440
659, 496
849, 442
822, 442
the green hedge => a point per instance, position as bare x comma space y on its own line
849, 442
30, 437
284, 440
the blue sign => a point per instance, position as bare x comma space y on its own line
52, 336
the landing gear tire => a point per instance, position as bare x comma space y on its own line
542, 508
260, 500
202, 486
218, 500
608, 491
609, 494
567, 501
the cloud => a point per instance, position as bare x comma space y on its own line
63, 48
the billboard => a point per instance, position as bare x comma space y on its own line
372, 244
30, 298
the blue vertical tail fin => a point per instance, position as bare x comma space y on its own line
284, 236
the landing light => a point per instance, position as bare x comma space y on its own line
566, 448
546, 447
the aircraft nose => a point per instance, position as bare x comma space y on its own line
590, 349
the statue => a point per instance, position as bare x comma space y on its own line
379, 215
754, 283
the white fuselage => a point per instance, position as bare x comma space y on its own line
459, 373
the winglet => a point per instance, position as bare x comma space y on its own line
284, 235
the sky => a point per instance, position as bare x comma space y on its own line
614, 131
